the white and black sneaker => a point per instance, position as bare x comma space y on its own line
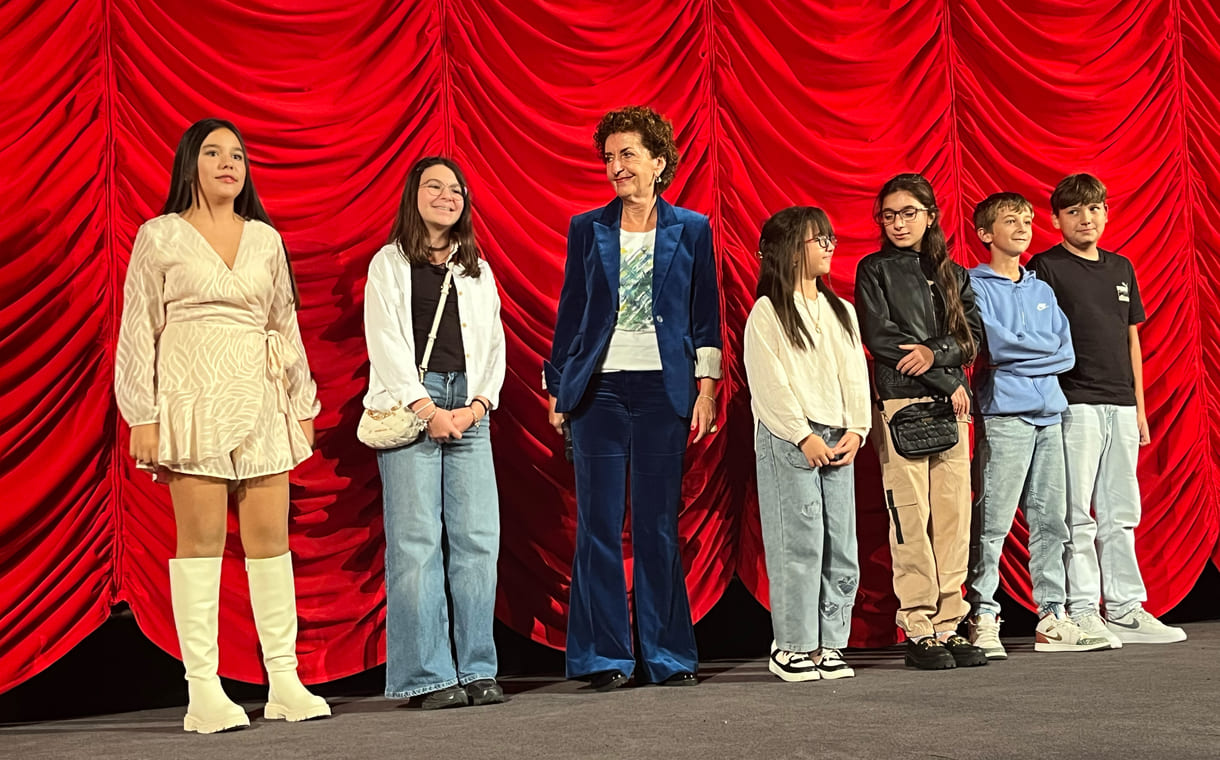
830, 664
792, 666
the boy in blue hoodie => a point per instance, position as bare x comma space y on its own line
1020, 453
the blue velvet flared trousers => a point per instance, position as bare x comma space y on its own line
625, 430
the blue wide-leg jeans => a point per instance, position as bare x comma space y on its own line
626, 429
442, 531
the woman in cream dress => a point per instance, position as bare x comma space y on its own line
211, 375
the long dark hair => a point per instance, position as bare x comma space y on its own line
410, 232
184, 183
936, 249
782, 248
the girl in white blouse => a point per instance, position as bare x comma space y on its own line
442, 519
210, 373
809, 394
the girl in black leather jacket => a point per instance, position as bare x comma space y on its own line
919, 321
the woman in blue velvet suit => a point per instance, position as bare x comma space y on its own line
633, 370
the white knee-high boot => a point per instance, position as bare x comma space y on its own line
195, 590
274, 601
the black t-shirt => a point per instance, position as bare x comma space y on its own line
1101, 300
448, 355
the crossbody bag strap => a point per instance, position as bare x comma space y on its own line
436, 320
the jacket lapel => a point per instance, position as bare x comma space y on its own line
669, 232
606, 231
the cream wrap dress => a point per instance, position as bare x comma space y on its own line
214, 354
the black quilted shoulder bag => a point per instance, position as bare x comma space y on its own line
923, 428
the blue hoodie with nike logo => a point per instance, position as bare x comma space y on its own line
1028, 343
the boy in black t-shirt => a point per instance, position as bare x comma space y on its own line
1105, 422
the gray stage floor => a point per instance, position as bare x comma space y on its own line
1137, 702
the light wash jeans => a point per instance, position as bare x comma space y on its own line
442, 530
1020, 464
1101, 446
809, 534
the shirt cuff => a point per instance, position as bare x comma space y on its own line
707, 362
799, 434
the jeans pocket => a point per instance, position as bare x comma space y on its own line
793, 456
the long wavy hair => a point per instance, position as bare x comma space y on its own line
185, 191
782, 248
936, 249
411, 233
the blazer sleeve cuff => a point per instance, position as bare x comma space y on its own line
550, 378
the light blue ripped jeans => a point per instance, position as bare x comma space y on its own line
809, 533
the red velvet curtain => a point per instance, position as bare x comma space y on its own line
774, 102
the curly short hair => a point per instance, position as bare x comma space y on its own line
655, 131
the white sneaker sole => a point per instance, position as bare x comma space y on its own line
1135, 637
1060, 646
805, 675
995, 654
834, 675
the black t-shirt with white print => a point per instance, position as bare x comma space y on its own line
1101, 300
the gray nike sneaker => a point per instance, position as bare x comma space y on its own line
1140, 627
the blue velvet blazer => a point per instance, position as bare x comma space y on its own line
685, 301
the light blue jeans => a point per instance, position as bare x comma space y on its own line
1101, 445
809, 534
442, 531
1020, 464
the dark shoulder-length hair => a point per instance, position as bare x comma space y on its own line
184, 189
656, 135
936, 248
410, 232
782, 249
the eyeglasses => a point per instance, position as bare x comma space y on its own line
908, 214
825, 241
436, 189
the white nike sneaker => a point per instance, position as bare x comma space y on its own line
1139, 627
984, 633
1093, 626
1060, 634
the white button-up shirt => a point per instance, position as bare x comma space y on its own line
393, 374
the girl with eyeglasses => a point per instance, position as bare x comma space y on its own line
919, 321
441, 509
809, 393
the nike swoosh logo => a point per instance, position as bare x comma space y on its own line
1041, 306
1128, 626
1056, 637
